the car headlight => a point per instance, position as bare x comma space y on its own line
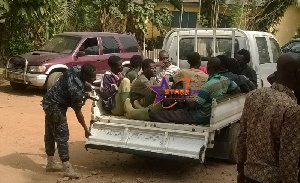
36, 69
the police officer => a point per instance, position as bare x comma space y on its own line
68, 91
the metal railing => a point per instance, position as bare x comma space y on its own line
232, 30
152, 54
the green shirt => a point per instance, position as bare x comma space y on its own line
131, 75
141, 92
215, 87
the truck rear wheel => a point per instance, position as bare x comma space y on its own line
233, 133
18, 86
53, 77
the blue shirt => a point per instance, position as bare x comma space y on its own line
68, 91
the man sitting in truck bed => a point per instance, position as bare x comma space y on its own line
114, 87
243, 57
140, 93
229, 69
197, 77
199, 110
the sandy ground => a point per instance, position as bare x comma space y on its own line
22, 157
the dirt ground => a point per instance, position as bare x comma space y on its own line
22, 157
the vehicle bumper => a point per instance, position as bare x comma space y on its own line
36, 79
30, 79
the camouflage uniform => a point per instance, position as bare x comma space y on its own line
68, 91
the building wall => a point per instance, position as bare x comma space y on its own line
152, 31
288, 25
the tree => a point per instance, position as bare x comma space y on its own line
27, 24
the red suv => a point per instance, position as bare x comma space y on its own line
43, 67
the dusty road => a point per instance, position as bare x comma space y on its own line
22, 158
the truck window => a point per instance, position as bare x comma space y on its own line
129, 44
61, 44
275, 49
263, 51
90, 46
205, 47
110, 45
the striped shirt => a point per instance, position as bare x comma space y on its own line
215, 87
168, 72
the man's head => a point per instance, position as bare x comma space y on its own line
194, 59
88, 73
288, 70
136, 62
163, 57
213, 66
115, 64
233, 66
149, 68
243, 57
224, 61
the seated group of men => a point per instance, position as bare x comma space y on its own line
129, 94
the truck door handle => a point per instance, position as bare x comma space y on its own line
98, 60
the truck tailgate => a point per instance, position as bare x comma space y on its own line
147, 140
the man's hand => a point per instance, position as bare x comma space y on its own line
119, 81
87, 133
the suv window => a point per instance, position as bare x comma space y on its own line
110, 45
205, 47
275, 49
61, 44
129, 44
263, 51
90, 46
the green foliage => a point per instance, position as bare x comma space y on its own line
27, 24
270, 15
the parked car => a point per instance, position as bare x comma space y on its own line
292, 46
43, 67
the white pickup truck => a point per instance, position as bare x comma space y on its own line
169, 140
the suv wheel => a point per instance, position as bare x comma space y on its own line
17, 86
53, 77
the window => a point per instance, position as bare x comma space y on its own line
189, 19
129, 44
275, 49
205, 46
110, 45
61, 44
263, 51
90, 46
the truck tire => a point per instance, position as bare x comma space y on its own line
53, 77
18, 86
233, 133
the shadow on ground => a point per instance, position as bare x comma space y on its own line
30, 91
121, 166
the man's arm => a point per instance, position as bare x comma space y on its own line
271, 78
108, 87
233, 88
253, 77
290, 146
81, 120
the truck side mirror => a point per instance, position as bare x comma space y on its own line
80, 54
